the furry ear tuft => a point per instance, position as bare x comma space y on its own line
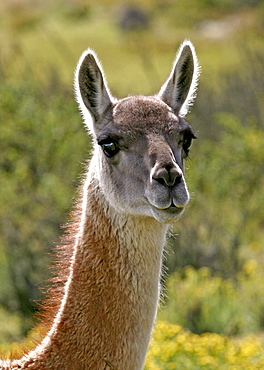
92, 93
179, 90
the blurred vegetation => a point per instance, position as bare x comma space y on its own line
43, 145
202, 302
172, 348
39, 160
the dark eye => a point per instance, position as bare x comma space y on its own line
110, 148
186, 147
186, 142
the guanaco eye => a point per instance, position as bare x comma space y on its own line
109, 148
186, 147
186, 142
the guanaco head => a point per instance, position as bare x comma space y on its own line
140, 142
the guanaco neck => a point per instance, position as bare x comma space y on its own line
111, 295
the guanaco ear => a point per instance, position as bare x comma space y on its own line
179, 89
92, 92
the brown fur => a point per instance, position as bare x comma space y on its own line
103, 302
109, 316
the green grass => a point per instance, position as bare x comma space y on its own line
52, 35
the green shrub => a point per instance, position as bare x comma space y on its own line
202, 302
174, 348
39, 129
10, 326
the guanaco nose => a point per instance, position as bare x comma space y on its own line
168, 174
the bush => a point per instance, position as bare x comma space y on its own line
37, 172
203, 303
175, 348
10, 326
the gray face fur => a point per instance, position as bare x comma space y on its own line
140, 142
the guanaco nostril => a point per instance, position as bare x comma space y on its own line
161, 180
168, 175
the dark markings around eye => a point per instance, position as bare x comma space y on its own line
109, 146
187, 137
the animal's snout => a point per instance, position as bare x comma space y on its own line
168, 174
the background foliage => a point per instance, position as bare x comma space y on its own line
43, 145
